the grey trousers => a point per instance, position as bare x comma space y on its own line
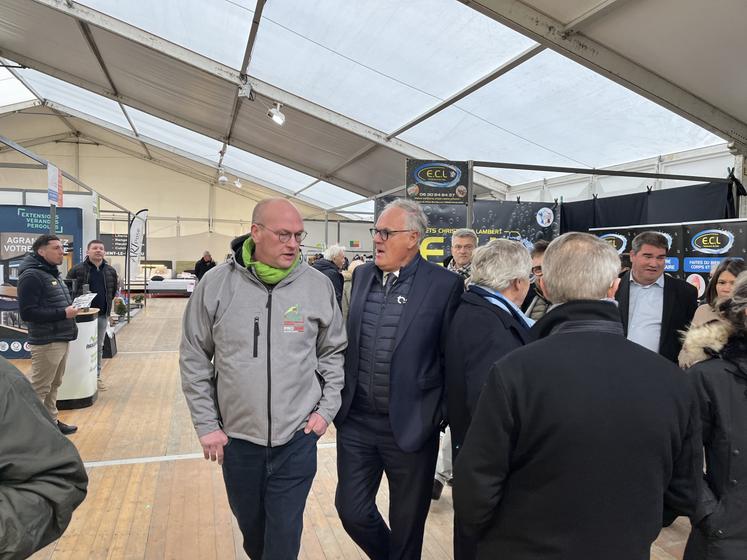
103, 322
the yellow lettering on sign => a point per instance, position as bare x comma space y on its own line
711, 241
432, 247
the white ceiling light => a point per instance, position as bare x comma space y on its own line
237, 183
222, 179
276, 114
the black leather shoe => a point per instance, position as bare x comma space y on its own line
437, 489
66, 429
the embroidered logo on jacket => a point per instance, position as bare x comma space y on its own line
293, 320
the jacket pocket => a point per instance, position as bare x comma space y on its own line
256, 336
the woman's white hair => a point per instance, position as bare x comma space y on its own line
579, 266
499, 263
332, 251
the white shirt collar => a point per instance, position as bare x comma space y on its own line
659, 281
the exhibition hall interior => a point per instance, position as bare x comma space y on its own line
186, 188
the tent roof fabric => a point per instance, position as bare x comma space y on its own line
366, 85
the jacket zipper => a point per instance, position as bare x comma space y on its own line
256, 335
372, 396
269, 375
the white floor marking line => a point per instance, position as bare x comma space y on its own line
150, 352
164, 458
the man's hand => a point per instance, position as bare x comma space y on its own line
71, 312
212, 445
317, 424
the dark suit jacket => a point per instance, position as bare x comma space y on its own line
416, 376
680, 303
480, 335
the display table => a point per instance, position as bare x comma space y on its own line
79, 388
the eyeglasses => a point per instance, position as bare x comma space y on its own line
537, 270
284, 236
386, 233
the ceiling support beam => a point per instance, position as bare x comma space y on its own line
497, 73
86, 31
240, 89
595, 56
40, 140
593, 14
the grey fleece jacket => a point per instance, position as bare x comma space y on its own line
256, 362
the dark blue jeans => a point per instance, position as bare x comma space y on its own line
267, 489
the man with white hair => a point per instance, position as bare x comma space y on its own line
583, 443
488, 324
330, 265
393, 400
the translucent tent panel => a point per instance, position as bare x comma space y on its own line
381, 63
367, 206
76, 98
175, 135
357, 217
330, 195
12, 90
218, 29
262, 168
553, 111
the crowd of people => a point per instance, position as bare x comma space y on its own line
578, 419
573, 432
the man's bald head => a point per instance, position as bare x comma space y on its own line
270, 206
272, 220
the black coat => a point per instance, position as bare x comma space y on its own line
202, 266
81, 273
680, 303
42, 298
721, 385
583, 444
416, 385
481, 333
330, 270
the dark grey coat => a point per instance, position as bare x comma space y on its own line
42, 479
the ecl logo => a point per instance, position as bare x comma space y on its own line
616, 240
439, 175
713, 241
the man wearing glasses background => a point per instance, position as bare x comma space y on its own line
393, 400
536, 304
262, 370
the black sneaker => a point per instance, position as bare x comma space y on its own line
66, 429
438, 487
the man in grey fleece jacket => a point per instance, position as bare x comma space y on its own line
262, 370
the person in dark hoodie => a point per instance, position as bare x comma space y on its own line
100, 278
203, 265
330, 265
719, 351
583, 443
42, 479
46, 307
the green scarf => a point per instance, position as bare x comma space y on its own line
266, 273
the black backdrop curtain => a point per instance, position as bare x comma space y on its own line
708, 201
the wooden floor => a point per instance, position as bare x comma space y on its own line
151, 495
